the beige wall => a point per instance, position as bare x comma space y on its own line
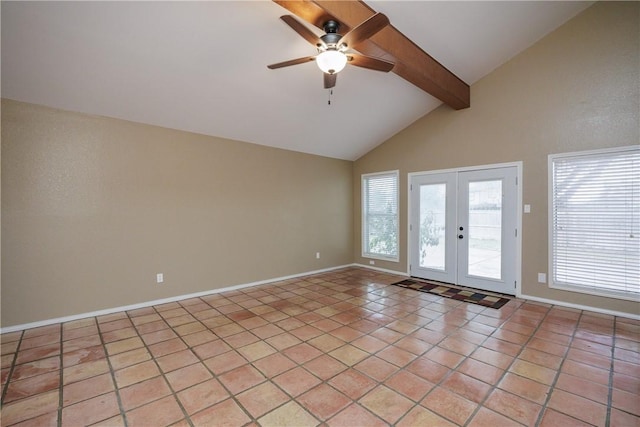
93, 208
576, 89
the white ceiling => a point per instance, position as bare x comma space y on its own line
201, 66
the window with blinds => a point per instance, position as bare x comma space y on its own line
380, 215
594, 222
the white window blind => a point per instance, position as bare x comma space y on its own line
380, 215
595, 222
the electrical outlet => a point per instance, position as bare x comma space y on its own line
542, 278
317, 255
159, 278
372, 262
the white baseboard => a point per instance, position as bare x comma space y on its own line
161, 301
383, 270
277, 279
581, 307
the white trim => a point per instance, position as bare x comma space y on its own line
582, 307
161, 301
382, 270
519, 201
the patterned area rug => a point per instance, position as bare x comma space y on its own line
442, 289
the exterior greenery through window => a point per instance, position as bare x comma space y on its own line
380, 215
594, 222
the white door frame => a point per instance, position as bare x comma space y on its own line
518, 166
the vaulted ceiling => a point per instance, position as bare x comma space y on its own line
201, 66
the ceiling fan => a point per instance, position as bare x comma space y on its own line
333, 48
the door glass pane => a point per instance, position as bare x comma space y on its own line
433, 198
485, 229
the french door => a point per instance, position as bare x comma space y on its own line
463, 228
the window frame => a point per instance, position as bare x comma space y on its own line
621, 295
364, 229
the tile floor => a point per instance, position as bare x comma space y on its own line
339, 349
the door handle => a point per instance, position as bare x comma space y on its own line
460, 236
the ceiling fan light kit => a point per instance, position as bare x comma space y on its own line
331, 61
333, 48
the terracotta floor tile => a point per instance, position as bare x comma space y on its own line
420, 416
352, 383
523, 387
128, 358
188, 376
242, 378
325, 367
326, 341
482, 371
534, 372
143, 392
35, 368
488, 418
39, 341
301, 353
289, 414
91, 411
552, 418
122, 346
176, 360
620, 418
83, 355
445, 357
396, 356
261, 399
590, 373
541, 358
167, 347
427, 369
514, 407
348, 354
201, 396
282, 341
88, 388
119, 334
323, 401
626, 383
578, 407
159, 413
38, 353
467, 387
409, 385
84, 370
30, 407
274, 364
296, 381
629, 402
387, 335
356, 415
386, 403
136, 373
256, 351
449, 405
210, 349
584, 388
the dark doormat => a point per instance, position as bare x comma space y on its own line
444, 290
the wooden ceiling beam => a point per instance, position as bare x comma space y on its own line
412, 63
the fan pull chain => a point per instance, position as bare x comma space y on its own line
330, 93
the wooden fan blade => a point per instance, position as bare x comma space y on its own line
369, 62
291, 62
365, 30
330, 80
301, 29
